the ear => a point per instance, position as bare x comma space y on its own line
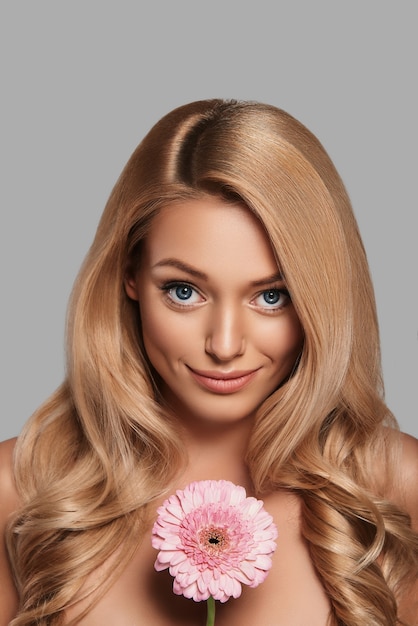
130, 283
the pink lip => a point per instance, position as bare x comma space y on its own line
223, 382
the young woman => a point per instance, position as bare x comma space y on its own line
222, 326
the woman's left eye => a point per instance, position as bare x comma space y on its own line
273, 299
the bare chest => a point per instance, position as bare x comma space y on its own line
291, 595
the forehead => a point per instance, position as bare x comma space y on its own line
211, 234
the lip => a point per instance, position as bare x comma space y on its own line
223, 382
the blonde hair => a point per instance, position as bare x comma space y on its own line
101, 448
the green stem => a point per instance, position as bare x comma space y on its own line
210, 620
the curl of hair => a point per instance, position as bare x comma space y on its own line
101, 448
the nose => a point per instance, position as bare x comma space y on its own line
225, 338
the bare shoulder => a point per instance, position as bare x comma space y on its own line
407, 499
409, 454
408, 476
9, 502
8, 492
402, 473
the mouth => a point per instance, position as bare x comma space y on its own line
223, 382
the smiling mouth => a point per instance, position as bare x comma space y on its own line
223, 382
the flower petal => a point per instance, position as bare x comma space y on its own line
213, 538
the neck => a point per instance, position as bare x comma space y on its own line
217, 451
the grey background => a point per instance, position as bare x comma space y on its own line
81, 83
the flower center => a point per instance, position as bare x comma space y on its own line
214, 538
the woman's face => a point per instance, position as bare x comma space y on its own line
218, 324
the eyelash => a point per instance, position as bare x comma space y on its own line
171, 286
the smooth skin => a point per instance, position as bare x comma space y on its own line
218, 323
221, 332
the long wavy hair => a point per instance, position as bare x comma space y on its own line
101, 448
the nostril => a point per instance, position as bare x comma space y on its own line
224, 350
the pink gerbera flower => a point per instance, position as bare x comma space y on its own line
213, 539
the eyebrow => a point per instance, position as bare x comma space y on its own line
273, 278
189, 269
184, 267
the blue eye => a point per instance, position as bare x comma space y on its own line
272, 296
272, 299
182, 294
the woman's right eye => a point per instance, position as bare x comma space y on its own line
182, 294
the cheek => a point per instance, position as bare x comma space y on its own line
295, 334
162, 336
287, 341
